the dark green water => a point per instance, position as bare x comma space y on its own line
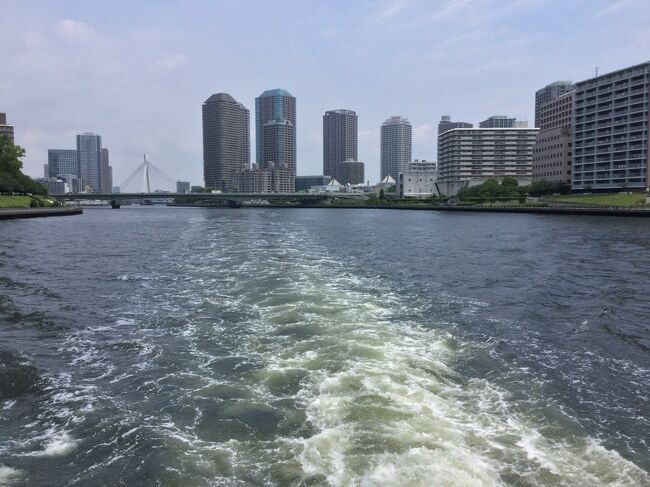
181, 347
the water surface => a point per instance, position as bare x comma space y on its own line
178, 346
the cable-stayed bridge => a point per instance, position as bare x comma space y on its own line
147, 178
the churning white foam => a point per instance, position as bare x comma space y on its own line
8, 475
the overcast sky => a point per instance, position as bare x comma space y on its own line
137, 72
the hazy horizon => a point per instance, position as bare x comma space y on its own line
137, 74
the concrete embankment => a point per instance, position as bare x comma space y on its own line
12, 213
543, 210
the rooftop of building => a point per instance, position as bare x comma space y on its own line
396, 120
275, 92
220, 97
557, 83
341, 111
486, 129
645, 64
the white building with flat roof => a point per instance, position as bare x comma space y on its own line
471, 156
417, 179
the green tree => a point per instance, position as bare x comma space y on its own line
12, 180
10, 156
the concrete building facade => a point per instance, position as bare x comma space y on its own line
417, 179
395, 145
269, 179
275, 134
446, 124
552, 154
548, 93
501, 122
53, 185
6, 130
468, 157
339, 139
89, 149
350, 172
610, 131
226, 141
106, 180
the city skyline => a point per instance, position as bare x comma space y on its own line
144, 67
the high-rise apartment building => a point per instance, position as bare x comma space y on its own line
548, 93
89, 149
610, 131
226, 141
62, 161
339, 139
467, 157
446, 124
278, 144
6, 130
269, 179
106, 173
395, 145
275, 135
552, 153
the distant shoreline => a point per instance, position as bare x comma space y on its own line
542, 210
14, 213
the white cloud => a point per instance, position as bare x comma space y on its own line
393, 8
77, 31
615, 7
452, 9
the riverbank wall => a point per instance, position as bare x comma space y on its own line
13, 213
542, 210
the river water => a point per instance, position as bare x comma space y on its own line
245, 347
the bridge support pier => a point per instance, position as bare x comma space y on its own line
115, 204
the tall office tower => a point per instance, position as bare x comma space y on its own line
226, 141
339, 139
553, 148
62, 161
610, 131
6, 130
350, 172
497, 122
89, 149
106, 173
467, 157
446, 124
395, 145
548, 93
182, 186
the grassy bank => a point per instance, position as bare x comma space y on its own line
618, 200
11, 201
